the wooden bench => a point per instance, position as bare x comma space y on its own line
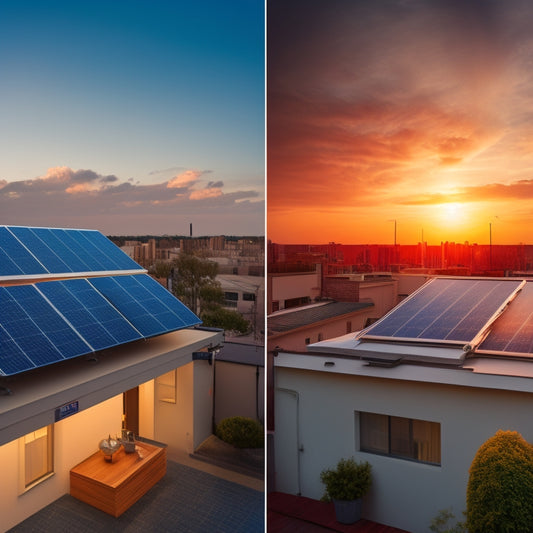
115, 486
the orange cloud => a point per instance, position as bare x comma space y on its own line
79, 188
205, 193
185, 179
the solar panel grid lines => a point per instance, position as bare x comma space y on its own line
35, 329
47, 257
93, 318
145, 303
33, 251
445, 310
72, 292
15, 258
512, 332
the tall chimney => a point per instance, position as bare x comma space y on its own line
190, 229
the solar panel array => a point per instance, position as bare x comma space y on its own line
445, 310
48, 322
32, 251
103, 300
513, 331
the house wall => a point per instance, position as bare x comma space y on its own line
316, 412
239, 391
75, 438
202, 402
288, 286
383, 295
173, 422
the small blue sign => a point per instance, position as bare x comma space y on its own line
67, 410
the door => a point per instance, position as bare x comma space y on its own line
131, 410
286, 442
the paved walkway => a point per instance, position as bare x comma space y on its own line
195, 496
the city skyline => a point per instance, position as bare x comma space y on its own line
399, 120
133, 117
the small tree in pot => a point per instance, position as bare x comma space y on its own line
346, 485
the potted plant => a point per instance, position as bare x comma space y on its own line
346, 485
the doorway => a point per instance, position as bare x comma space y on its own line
130, 417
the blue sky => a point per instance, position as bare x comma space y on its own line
133, 116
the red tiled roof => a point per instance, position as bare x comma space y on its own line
299, 509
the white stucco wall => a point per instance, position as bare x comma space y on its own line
287, 286
75, 438
184, 425
203, 402
316, 411
384, 296
239, 391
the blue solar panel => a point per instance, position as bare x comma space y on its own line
52, 321
513, 331
105, 250
47, 257
90, 314
31, 251
35, 328
15, 259
146, 304
445, 309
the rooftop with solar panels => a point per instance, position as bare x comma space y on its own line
65, 293
476, 324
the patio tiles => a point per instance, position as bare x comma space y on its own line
186, 500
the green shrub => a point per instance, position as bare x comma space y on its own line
499, 496
242, 432
348, 481
440, 524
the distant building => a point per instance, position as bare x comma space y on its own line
294, 329
246, 294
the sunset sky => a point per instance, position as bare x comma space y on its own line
400, 110
133, 116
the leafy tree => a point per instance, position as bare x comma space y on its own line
195, 284
227, 319
499, 496
191, 276
161, 269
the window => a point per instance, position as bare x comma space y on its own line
320, 337
248, 296
307, 340
166, 387
396, 436
230, 299
38, 453
296, 302
231, 296
349, 326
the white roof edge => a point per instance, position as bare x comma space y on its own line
471, 376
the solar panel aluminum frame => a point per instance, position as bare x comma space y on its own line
467, 345
67, 275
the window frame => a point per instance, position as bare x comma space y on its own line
166, 387
394, 441
47, 458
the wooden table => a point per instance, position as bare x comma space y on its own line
114, 486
